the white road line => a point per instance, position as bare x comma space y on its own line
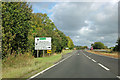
118, 77
48, 68
87, 56
84, 54
93, 60
103, 67
98, 63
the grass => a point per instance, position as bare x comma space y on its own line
66, 51
110, 54
24, 67
0, 69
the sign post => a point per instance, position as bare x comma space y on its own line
43, 53
49, 51
37, 53
42, 43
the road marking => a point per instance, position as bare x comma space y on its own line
118, 77
93, 60
103, 67
98, 63
49, 68
87, 56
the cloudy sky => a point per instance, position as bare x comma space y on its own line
84, 22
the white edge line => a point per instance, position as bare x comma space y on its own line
118, 77
93, 60
103, 67
49, 68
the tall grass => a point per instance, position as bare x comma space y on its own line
25, 65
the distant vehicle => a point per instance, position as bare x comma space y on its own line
66, 48
91, 48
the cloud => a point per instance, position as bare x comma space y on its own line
91, 21
42, 7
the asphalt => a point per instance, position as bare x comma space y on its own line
80, 66
111, 63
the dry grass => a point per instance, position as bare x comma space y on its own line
113, 54
23, 66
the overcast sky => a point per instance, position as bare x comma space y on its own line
84, 22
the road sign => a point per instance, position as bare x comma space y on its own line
49, 51
42, 43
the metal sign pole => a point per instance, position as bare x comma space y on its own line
49, 54
43, 53
37, 53
62, 55
42, 43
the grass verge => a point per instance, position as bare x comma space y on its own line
24, 67
113, 54
66, 51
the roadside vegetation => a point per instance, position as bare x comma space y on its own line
104, 50
110, 54
19, 28
98, 45
25, 65
81, 47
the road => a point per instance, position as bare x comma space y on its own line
83, 65
111, 63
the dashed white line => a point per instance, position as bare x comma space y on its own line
118, 77
93, 60
103, 67
98, 63
89, 58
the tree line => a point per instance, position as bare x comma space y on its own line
117, 47
81, 47
20, 27
100, 45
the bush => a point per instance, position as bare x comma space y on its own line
98, 45
17, 60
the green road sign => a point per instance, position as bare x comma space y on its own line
42, 38
42, 43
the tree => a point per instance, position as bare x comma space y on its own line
98, 45
42, 26
16, 22
70, 43
105, 47
91, 44
20, 27
117, 47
